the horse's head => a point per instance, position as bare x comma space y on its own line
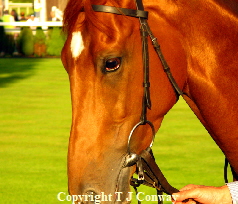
103, 57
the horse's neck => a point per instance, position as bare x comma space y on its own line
210, 39
208, 29
208, 32
185, 15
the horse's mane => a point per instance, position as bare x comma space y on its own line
231, 6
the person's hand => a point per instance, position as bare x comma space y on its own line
194, 194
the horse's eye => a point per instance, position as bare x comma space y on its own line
113, 64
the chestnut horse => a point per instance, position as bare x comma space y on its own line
103, 57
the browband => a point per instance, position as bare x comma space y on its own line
121, 11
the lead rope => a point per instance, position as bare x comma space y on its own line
235, 176
152, 175
225, 170
135, 185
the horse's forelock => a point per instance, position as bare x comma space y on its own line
71, 13
74, 8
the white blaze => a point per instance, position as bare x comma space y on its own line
77, 44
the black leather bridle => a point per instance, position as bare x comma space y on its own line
148, 172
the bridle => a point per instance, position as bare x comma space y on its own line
148, 172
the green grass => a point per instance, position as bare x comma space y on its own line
35, 117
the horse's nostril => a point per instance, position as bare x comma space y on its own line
91, 197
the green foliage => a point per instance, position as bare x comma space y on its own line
26, 41
40, 37
21, 1
55, 42
7, 43
2, 36
41, 44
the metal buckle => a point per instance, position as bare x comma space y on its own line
134, 128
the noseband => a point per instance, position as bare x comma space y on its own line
148, 172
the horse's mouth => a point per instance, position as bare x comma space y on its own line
119, 194
122, 191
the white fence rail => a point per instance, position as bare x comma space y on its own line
16, 26
35, 24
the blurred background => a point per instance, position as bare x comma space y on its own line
31, 28
27, 6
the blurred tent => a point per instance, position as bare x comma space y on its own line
60, 4
1, 8
46, 11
